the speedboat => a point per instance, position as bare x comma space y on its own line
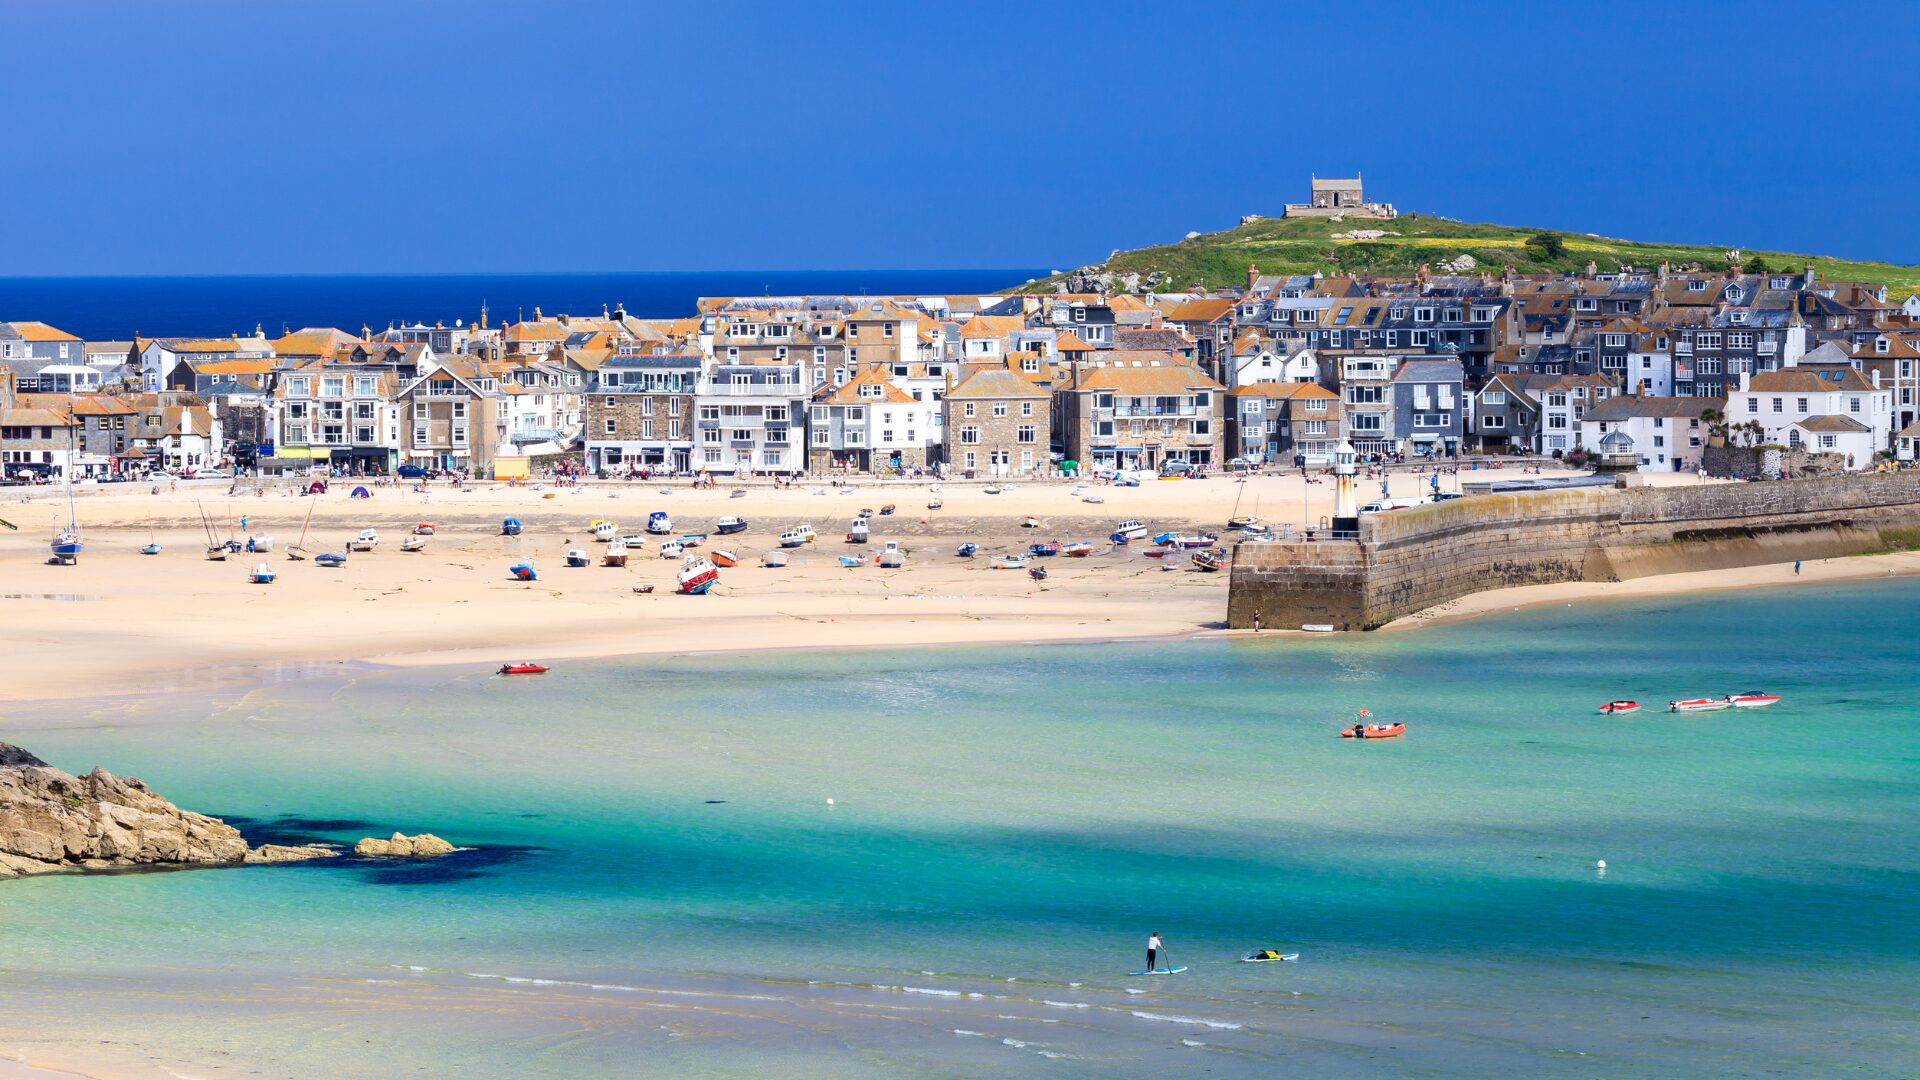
1373, 731
1686, 705
723, 558
1754, 699
1010, 562
891, 557
1619, 708
524, 667
414, 543
1128, 531
727, 526
578, 557
967, 550
697, 575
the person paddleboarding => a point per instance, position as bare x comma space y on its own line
1154, 949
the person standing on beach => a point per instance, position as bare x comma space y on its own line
1796, 567
1154, 949
1256, 620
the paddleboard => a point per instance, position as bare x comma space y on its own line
1162, 971
1269, 959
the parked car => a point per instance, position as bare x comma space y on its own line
411, 472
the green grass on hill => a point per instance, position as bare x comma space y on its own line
1304, 245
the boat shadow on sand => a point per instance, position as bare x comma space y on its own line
463, 864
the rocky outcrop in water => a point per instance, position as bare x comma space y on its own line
54, 821
403, 847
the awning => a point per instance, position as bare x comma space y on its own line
308, 452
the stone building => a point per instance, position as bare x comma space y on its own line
870, 424
1339, 198
452, 418
640, 413
1140, 417
1274, 422
996, 423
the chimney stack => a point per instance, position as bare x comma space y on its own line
1253, 275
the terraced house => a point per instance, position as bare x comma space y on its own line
751, 419
337, 415
452, 418
995, 423
640, 413
1141, 414
1283, 422
869, 424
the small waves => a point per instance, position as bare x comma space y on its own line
1218, 1025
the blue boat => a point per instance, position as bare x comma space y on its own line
1044, 550
331, 558
730, 525
523, 571
510, 527
658, 523
851, 561
967, 551
1166, 538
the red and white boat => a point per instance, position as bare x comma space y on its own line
724, 558
1754, 699
1699, 704
523, 667
697, 575
1617, 708
1374, 731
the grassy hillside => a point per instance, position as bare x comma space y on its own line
1304, 245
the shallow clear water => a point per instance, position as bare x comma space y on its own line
658, 880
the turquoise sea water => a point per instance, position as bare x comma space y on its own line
659, 887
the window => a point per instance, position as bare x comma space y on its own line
999, 408
820, 436
1800, 404
770, 458
1024, 434
1853, 405
711, 457
612, 425
420, 434
709, 412
609, 404
1495, 420
969, 435
967, 409
459, 434
1103, 429
1200, 427
1826, 442
741, 434
1779, 405
646, 428
1753, 404
1493, 397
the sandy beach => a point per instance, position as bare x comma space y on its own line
120, 622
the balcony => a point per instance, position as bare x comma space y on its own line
1767, 348
1682, 348
1155, 410
782, 388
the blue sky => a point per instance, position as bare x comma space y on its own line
475, 135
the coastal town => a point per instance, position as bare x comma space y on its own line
1680, 361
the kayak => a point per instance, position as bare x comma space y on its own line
1375, 731
1615, 708
1160, 971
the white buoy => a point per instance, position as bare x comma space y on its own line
1601, 865
830, 803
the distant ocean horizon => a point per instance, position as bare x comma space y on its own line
118, 308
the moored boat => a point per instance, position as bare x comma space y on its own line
793, 538
615, 555
1209, 561
1620, 708
723, 558
887, 509
1010, 562
262, 575
1753, 699
697, 575
851, 561
1128, 531
150, 549
511, 527
1687, 705
857, 531
523, 571
891, 557
672, 549
578, 557
693, 539
1373, 731
1030, 523
934, 504
1037, 573
967, 550
605, 531
424, 528
727, 526
658, 523
1078, 550
524, 667
414, 543
737, 493
329, 559
773, 560
1044, 551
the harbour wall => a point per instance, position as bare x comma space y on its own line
1407, 561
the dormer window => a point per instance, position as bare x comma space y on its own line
1586, 304
1424, 314
1739, 318
1030, 364
1782, 283
1696, 286
1881, 345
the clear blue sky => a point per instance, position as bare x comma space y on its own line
480, 135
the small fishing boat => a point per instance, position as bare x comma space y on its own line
414, 543
634, 540
724, 559
524, 667
891, 557
697, 575
259, 544
737, 493
366, 541
1193, 540
1010, 562
1126, 481
1619, 708
1030, 523
1128, 531
851, 561
672, 549
1243, 521
1078, 489
604, 531
1037, 573
150, 549
1166, 539
693, 539
424, 528
1044, 551
1208, 561
1317, 627
642, 590
523, 571
1373, 731
511, 527
1155, 553
773, 560
967, 550
658, 523
1690, 705
857, 532
727, 526
1094, 499
262, 575
992, 489
934, 504
887, 509
330, 558
1078, 550
615, 555
865, 513
218, 552
793, 538
1754, 699
578, 557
